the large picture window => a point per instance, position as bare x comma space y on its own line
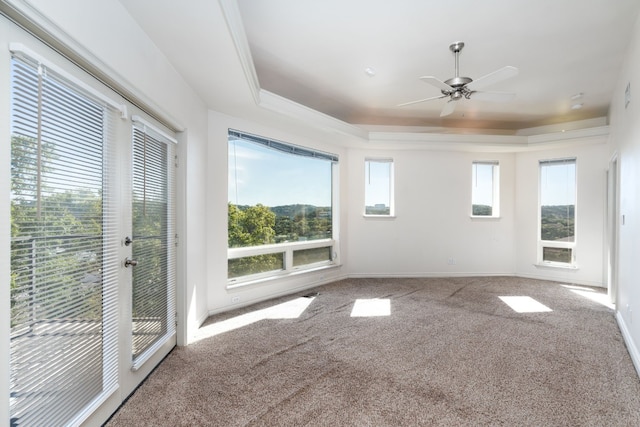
280, 210
557, 211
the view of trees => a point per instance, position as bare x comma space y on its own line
260, 225
557, 223
481, 210
56, 242
380, 209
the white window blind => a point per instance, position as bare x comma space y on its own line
485, 189
63, 250
153, 247
378, 188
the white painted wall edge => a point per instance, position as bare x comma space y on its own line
628, 340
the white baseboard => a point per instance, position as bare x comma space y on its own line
288, 291
562, 280
424, 275
628, 340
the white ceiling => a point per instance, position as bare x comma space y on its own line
315, 53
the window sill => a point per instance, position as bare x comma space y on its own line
556, 266
365, 216
484, 218
279, 275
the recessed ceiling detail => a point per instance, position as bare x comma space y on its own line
306, 52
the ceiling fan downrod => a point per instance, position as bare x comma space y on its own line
457, 82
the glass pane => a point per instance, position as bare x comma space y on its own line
276, 197
556, 255
557, 197
377, 194
255, 264
310, 256
57, 249
482, 189
150, 295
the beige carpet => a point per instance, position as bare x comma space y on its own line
449, 353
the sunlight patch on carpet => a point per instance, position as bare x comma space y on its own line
371, 307
591, 294
287, 310
524, 304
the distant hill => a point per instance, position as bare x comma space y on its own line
291, 211
559, 211
558, 222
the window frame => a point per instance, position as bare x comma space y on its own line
288, 248
390, 162
495, 182
542, 244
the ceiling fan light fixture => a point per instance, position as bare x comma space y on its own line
577, 106
459, 87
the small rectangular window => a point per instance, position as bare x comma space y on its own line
485, 189
557, 210
378, 194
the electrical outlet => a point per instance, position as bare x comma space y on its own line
235, 300
451, 261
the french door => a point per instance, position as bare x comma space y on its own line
93, 246
152, 243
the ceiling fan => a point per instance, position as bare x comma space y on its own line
458, 87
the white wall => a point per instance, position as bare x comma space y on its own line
591, 165
432, 223
625, 142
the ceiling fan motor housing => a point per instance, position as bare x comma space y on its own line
458, 83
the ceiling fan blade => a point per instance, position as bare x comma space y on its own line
436, 82
493, 96
448, 108
491, 78
421, 100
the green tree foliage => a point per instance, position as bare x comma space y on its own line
259, 225
251, 226
56, 241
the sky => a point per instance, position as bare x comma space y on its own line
377, 183
482, 185
558, 184
259, 174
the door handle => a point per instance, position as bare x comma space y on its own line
130, 262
